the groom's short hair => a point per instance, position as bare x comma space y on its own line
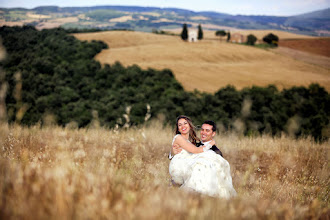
212, 123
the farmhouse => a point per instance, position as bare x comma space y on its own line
237, 38
192, 36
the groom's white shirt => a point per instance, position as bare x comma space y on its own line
207, 142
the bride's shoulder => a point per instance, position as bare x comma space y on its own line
178, 136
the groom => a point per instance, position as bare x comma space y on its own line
208, 131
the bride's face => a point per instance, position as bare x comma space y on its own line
183, 126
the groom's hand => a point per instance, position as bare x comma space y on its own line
176, 149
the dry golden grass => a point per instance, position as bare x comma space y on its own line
32, 17
151, 13
37, 16
199, 18
209, 64
65, 20
122, 19
55, 23
60, 173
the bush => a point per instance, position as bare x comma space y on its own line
271, 39
251, 39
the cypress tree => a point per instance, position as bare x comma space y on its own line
200, 32
184, 33
228, 36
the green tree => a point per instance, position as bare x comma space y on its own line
251, 39
184, 33
220, 33
271, 39
200, 32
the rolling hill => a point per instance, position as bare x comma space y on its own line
148, 18
209, 64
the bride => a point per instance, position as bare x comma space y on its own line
199, 168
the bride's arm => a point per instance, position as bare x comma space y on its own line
183, 143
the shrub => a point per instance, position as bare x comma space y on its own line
271, 39
251, 39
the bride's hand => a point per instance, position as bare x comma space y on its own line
208, 146
176, 149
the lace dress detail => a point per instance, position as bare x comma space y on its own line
206, 172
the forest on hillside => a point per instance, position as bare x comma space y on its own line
50, 72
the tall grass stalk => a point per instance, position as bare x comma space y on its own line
95, 173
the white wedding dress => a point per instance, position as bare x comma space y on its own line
207, 173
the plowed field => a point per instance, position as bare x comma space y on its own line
319, 46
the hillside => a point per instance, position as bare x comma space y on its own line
150, 18
319, 20
52, 76
319, 46
209, 64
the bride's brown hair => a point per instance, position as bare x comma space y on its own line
192, 133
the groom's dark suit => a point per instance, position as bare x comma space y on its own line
214, 148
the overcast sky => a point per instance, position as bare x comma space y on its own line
234, 7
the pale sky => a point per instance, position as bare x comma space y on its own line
234, 7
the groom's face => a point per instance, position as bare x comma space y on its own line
207, 133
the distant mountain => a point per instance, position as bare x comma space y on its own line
149, 18
321, 14
317, 20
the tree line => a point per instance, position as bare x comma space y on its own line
271, 39
51, 72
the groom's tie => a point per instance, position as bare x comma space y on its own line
199, 144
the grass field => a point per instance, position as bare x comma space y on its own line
96, 173
209, 64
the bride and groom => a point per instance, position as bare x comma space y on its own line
199, 165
